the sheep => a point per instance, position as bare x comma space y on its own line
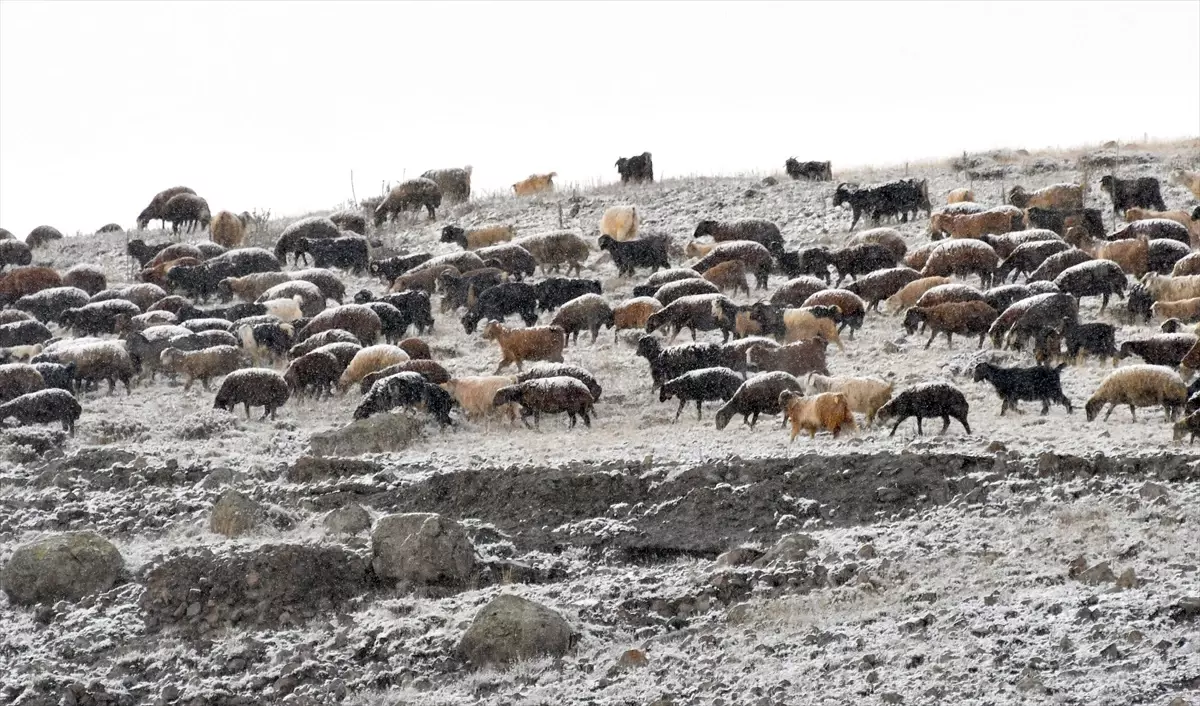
313, 374
1057, 196
864, 395
1058, 222
143, 295
48, 305
409, 195
12, 316
23, 281
1190, 180
407, 389
42, 235
387, 270
1101, 278
431, 371
518, 346
145, 347
676, 360
1139, 386
96, 360
1132, 255
554, 249
927, 400
1097, 339
355, 318
158, 203
548, 370
98, 318
799, 358
890, 238
1183, 218
697, 249
813, 260
916, 259
755, 256
349, 220
619, 223
253, 387
881, 285
758, 395
1169, 289
1188, 310
393, 322
57, 375
552, 395
343, 351
44, 407
309, 298
203, 364
1025, 318
14, 252
17, 379
637, 169
209, 324
1143, 192
974, 225
910, 293
694, 312
702, 385
310, 228
250, 287
369, 360
535, 184
1027, 257
553, 292
633, 313
856, 260
669, 292
501, 301
728, 275
1004, 296
960, 195
1191, 423
1005, 244
658, 279
227, 230
965, 319
513, 259
851, 307
474, 394
1154, 229
631, 254
1187, 265
158, 273
454, 182
812, 171
19, 354
188, 211
23, 333
325, 337
415, 310
285, 309
1015, 384
962, 258
795, 291
755, 230
477, 238
587, 312
351, 252
462, 289
828, 410
200, 281
801, 324
424, 279
1055, 265
1168, 349
89, 278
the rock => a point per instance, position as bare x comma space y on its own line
381, 433
1098, 574
65, 566
422, 548
995, 447
1111, 652
740, 556
1151, 491
219, 477
630, 660
234, 514
891, 697
1128, 579
511, 628
790, 548
348, 519
769, 181
867, 551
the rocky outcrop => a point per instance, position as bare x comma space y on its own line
65, 566
511, 628
424, 549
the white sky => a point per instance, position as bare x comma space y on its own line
270, 105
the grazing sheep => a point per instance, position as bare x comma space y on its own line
674, 361
962, 258
350, 220
1169, 289
799, 358
455, 182
1187, 310
828, 410
48, 305
350, 252
1139, 386
42, 235
694, 312
1055, 265
619, 223
321, 339
307, 296
57, 375
1101, 278
17, 379
89, 278
975, 225
311, 228
253, 387
758, 395
1097, 339
1164, 253
1055, 196
865, 395
636, 169
266, 342
927, 401
910, 293
1056, 311
14, 252
433, 372
204, 364
699, 386
477, 238
916, 259
1015, 384
97, 318
697, 249
552, 250
633, 314
94, 361
533, 343
535, 184
369, 360
409, 195
406, 390
729, 275
863, 259
965, 319
629, 255
424, 279
187, 211
19, 354
1027, 257
796, 291
1191, 423
1132, 255
44, 407
23, 281
549, 370
474, 394
227, 230
355, 318
387, 270
344, 352
285, 309
851, 307
1168, 349
960, 195
887, 237
755, 230
513, 259
753, 255
811, 171
23, 333
157, 205
1143, 192
553, 292
658, 279
313, 374
1183, 218
200, 281
501, 301
669, 292
801, 324
587, 312
553, 395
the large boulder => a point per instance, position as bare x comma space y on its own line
511, 628
349, 519
234, 514
422, 548
65, 566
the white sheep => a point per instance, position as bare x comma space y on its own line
285, 310
909, 294
620, 222
1171, 289
474, 394
800, 324
20, 353
1187, 179
1139, 386
865, 394
368, 360
204, 364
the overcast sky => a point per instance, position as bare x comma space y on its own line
272, 104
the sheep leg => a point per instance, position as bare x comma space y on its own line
682, 402
920, 432
698, 414
571, 416
930, 341
187, 384
1103, 303
945, 423
1045, 406
587, 420
112, 385
895, 427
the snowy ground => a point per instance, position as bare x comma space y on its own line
956, 593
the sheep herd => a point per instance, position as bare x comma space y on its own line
278, 325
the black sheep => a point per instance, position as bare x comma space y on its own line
393, 323
407, 389
553, 292
636, 169
1140, 303
1059, 220
1142, 192
668, 363
415, 306
862, 259
703, 385
44, 407
1015, 384
811, 171
1101, 278
348, 252
629, 255
758, 395
927, 400
1161, 349
812, 260
58, 375
1090, 339
551, 370
458, 289
501, 301
390, 268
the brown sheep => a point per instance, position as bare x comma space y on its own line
227, 230
587, 312
890, 238
633, 313
552, 395
158, 273
1132, 255
960, 196
1005, 244
313, 374
204, 364
1057, 196
916, 259
17, 379
910, 293
554, 249
534, 184
416, 349
758, 395
729, 275
518, 346
755, 256
89, 278
949, 293
1187, 265
795, 291
23, 281
798, 359
851, 307
962, 258
432, 371
357, 319
828, 410
174, 252
423, 280
993, 222
965, 319
410, 195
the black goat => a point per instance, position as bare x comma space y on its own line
628, 255
1016, 384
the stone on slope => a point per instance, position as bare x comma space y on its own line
65, 566
511, 628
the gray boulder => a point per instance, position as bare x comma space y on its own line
65, 566
234, 514
424, 549
511, 628
349, 519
